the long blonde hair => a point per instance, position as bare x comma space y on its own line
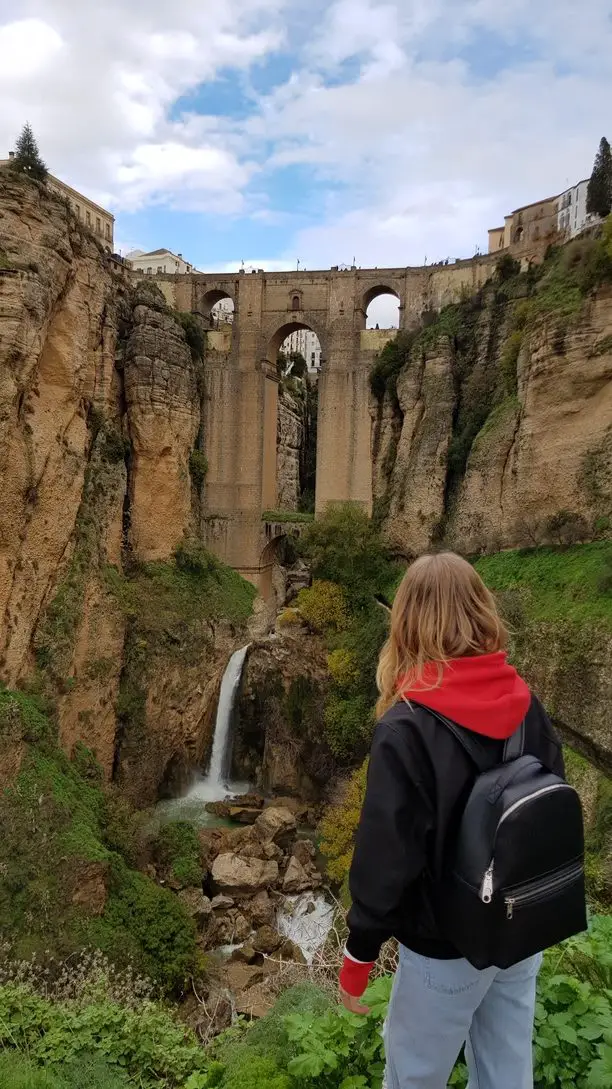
442, 610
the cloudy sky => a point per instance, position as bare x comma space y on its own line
321, 130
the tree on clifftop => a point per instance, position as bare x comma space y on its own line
27, 156
599, 193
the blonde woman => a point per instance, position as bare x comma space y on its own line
445, 654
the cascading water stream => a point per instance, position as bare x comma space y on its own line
215, 784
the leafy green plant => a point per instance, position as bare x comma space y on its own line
142, 1045
178, 849
194, 334
198, 467
324, 606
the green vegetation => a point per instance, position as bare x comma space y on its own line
27, 158
177, 849
352, 569
93, 1037
198, 467
23, 717
194, 334
62, 830
599, 192
556, 585
284, 516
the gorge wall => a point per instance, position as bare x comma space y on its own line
100, 415
495, 428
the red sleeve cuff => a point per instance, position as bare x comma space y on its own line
354, 976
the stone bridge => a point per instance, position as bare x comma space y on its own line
241, 384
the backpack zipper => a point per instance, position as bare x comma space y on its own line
539, 890
486, 890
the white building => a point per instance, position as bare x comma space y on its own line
307, 343
572, 215
158, 261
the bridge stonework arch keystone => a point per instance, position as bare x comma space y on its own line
241, 384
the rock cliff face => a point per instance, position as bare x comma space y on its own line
289, 443
470, 454
99, 411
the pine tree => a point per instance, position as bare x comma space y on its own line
599, 193
27, 156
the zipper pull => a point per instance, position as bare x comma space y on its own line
486, 894
509, 909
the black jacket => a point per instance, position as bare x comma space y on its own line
419, 779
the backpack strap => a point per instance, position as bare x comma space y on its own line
515, 745
471, 744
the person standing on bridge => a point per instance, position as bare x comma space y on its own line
470, 845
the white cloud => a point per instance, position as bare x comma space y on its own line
417, 150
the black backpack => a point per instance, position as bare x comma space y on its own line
513, 881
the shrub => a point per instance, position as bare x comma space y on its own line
324, 606
344, 546
348, 725
23, 717
18, 1072
147, 925
113, 447
343, 667
177, 848
192, 558
566, 528
194, 334
506, 268
339, 825
142, 1045
288, 618
509, 361
198, 467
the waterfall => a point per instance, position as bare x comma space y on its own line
215, 784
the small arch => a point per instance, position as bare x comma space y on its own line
211, 299
296, 303
379, 308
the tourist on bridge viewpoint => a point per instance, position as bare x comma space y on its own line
470, 847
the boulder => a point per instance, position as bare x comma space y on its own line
241, 976
304, 851
299, 878
211, 844
197, 905
221, 903
278, 825
290, 951
243, 876
261, 910
251, 801
267, 940
257, 849
255, 1002
246, 955
241, 927
243, 815
91, 887
294, 805
218, 809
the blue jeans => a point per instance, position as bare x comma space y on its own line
437, 1006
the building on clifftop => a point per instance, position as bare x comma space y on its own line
97, 219
157, 262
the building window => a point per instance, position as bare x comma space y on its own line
88, 218
149, 270
98, 225
159, 269
107, 229
77, 211
295, 302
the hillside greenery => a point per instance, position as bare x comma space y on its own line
59, 824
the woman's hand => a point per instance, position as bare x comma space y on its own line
353, 1005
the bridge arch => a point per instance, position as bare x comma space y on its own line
378, 291
210, 298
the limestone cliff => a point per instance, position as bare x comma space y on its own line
496, 428
289, 444
99, 413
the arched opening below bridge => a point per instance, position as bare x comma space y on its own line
217, 307
290, 429
381, 306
